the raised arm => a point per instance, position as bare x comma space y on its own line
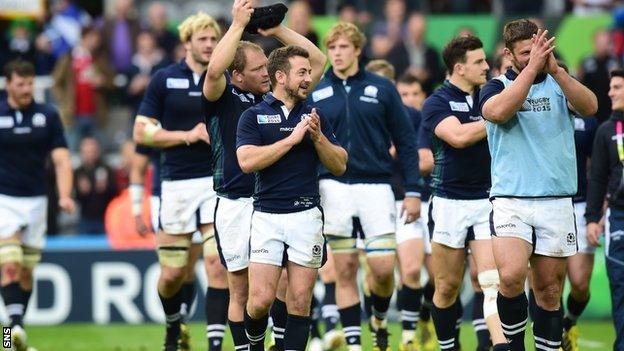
253, 158
580, 98
224, 52
501, 107
290, 37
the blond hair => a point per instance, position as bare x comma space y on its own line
382, 68
197, 23
349, 30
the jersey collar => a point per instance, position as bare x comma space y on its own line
184, 66
357, 77
457, 90
511, 75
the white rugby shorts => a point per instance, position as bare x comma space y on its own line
185, 204
154, 216
581, 228
455, 222
27, 215
373, 204
415, 230
280, 237
546, 223
232, 231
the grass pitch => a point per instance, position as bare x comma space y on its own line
595, 336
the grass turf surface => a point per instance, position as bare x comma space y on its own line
124, 337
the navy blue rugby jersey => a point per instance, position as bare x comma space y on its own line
27, 137
174, 98
222, 117
457, 173
290, 184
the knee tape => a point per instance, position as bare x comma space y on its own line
210, 246
31, 257
174, 255
340, 244
489, 281
11, 251
380, 245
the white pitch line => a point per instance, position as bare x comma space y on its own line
591, 344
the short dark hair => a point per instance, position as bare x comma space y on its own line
279, 60
518, 30
409, 79
617, 73
455, 51
20, 67
240, 57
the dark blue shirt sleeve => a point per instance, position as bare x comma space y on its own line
57, 136
152, 103
143, 150
404, 139
248, 132
434, 111
491, 88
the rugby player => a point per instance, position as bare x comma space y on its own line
284, 140
29, 133
366, 112
171, 117
409, 236
530, 127
142, 158
459, 207
226, 96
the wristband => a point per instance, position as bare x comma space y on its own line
136, 196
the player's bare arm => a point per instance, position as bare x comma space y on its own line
333, 157
459, 135
224, 52
425, 161
149, 133
137, 181
290, 37
64, 178
502, 107
252, 158
580, 98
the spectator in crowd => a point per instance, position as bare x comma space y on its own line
386, 41
424, 59
347, 12
147, 60
157, 24
119, 33
300, 20
18, 42
411, 91
63, 31
82, 77
515, 7
594, 72
592, 7
95, 187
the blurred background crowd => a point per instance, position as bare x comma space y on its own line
94, 59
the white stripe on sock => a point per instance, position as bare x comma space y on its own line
547, 342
